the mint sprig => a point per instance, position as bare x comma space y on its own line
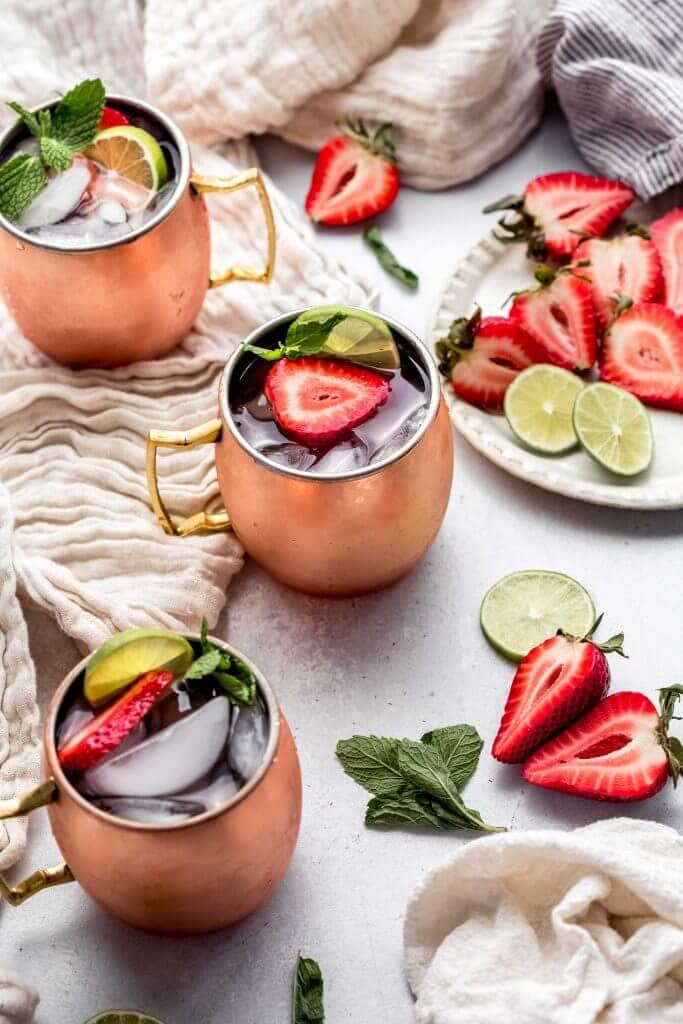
61, 132
307, 994
215, 667
417, 783
306, 338
387, 260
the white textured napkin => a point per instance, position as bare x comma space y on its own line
547, 927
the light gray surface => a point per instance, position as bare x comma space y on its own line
395, 663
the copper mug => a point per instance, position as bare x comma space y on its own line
131, 298
179, 879
327, 535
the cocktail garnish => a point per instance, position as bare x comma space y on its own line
215, 667
61, 133
387, 260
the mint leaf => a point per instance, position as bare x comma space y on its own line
403, 809
204, 637
237, 681
270, 354
76, 117
424, 768
204, 665
307, 995
21, 179
460, 747
55, 154
372, 762
387, 260
308, 337
30, 120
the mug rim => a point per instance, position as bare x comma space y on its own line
419, 348
65, 786
179, 141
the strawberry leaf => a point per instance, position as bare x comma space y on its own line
21, 179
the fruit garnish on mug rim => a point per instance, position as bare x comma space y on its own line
111, 118
559, 316
627, 265
555, 682
482, 356
557, 210
372, 237
355, 176
667, 236
642, 352
619, 750
319, 401
61, 132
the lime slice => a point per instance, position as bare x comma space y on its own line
126, 656
131, 152
123, 1017
614, 427
539, 405
524, 609
360, 337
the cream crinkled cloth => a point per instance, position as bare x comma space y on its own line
547, 927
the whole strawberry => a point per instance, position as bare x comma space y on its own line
355, 176
553, 685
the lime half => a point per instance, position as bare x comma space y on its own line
360, 337
131, 152
539, 405
524, 609
123, 1017
128, 655
614, 427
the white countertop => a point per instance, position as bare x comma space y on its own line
395, 663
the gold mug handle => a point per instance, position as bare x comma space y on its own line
205, 433
45, 878
206, 183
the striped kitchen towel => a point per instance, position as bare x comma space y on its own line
617, 68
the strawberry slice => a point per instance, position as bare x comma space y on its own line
557, 209
104, 734
483, 356
560, 317
667, 235
624, 266
553, 685
643, 353
355, 176
615, 752
111, 118
318, 401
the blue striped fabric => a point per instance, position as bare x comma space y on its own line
617, 68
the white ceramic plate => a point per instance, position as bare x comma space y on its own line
487, 276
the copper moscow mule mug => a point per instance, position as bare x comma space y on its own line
178, 879
131, 298
336, 535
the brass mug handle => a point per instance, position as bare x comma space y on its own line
45, 878
205, 433
206, 183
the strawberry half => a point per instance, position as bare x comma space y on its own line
560, 317
624, 266
483, 356
104, 734
553, 685
557, 209
318, 401
617, 751
667, 235
355, 176
111, 118
643, 353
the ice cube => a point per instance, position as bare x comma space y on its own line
149, 810
407, 429
344, 457
289, 454
112, 212
260, 408
108, 185
248, 742
168, 761
215, 791
59, 198
380, 428
77, 717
